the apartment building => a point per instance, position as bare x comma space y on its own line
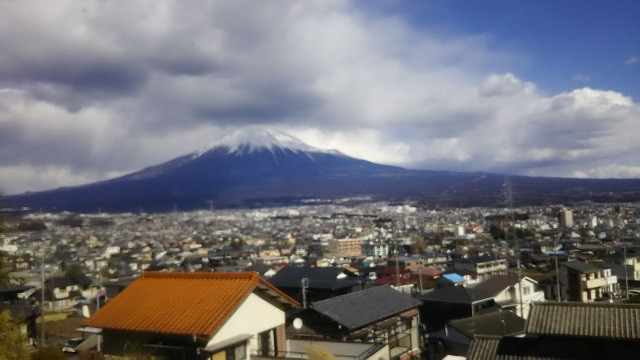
580, 281
484, 266
345, 247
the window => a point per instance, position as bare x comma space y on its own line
266, 343
237, 352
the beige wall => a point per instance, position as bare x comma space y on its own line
255, 315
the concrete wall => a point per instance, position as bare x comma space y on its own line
255, 315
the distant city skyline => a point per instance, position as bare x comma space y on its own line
95, 89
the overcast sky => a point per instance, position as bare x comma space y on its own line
94, 89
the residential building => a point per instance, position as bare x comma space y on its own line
199, 315
435, 259
62, 291
408, 263
444, 304
507, 289
457, 337
568, 331
623, 266
565, 218
345, 247
382, 317
580, 281
375, 249
319, 282
484, 266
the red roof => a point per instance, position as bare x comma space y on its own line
195, 303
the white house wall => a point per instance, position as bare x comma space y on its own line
254, 316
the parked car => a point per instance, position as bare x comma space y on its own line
72, 344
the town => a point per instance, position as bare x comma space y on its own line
376, 280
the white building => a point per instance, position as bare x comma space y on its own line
375, 249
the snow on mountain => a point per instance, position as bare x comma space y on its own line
248, 140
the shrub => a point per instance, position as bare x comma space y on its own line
48, 353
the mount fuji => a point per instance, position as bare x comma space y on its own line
257, 168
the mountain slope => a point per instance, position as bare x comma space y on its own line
265, 167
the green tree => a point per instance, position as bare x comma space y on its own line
418, 244
497, 232
73, 269
12, 341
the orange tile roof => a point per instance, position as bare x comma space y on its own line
180, 303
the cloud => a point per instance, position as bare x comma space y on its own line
98, 88
581, 77
632, 60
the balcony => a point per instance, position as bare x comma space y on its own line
599, 282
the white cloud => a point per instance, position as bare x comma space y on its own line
101, 88
631, 60
581, 77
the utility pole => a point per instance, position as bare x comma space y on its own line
397, 264
509, 194
420, 275
42, 302
558, 297
304, 285
626, 275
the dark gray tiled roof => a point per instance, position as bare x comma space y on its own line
534, 348
496, 284
365, 307
319, 277
581, 266
490, 324
603, 320
455, 294
510, 348
483, 348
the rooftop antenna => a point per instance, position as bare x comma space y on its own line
509, 195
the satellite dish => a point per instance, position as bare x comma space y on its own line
297, 323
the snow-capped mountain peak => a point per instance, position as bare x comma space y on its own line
247, 140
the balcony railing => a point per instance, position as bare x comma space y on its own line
599, 282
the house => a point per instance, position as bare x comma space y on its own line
435, 259
458, 334
580, 281
380, 316
569, 330
62, 291
444, 304
376, 249
199, 315
320, 282
263, 269
484, 266
623, 266
345, 247
507, 289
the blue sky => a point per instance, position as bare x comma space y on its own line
96, 89
564, 44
